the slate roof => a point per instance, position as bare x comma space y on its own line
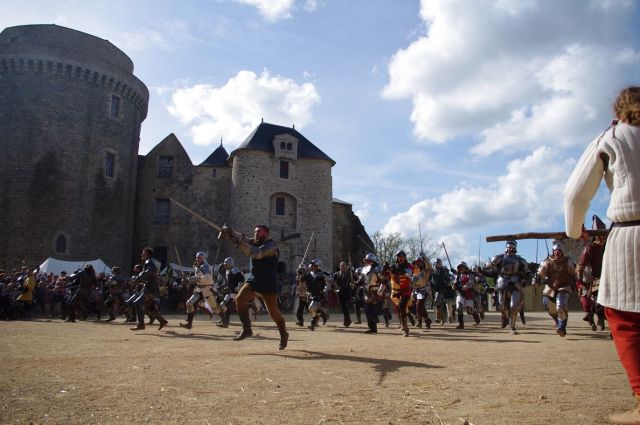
339, 201
218, 158
262, 139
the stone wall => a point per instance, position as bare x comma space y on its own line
350, 239
195, 187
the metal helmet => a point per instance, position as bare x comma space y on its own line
201, 254
372, 257
558, 247
511, 244
401, 252
229, 263
463, 265
315, 262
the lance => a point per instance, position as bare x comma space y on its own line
543, 235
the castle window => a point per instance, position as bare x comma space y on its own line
282, 145
289, 146
110, 165
163, 211
279, 206
115, 106
61, 243
165, 166
284, 169
215, 172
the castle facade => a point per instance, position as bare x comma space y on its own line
74, 187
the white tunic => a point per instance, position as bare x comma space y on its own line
620, 281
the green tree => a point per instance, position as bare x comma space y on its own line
387, 245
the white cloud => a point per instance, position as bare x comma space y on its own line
310, 5
277, 10
516, 74
232, 111
523, 195
272, 10
457, 248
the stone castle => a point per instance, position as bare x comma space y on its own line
74, 187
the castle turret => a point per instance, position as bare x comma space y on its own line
70, 116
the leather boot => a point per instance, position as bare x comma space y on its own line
313, 324
512, 322
460, 321
631, 417
427, 322
163, 322
246, 326
476, 318
601, 321
358, 317
373, 328
347, 320
189, 323
411, 319
284, 335
224, 319
505, 320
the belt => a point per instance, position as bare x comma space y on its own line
626, 223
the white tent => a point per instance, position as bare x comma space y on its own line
51, 265
177, 269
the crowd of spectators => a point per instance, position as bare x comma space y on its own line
26, 294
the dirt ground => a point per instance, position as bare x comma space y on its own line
103, 373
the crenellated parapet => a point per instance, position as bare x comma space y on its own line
129, 87
48, 50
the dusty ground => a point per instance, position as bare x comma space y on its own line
98, 373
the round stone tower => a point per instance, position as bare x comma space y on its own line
70, 116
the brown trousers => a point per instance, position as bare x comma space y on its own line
246, 294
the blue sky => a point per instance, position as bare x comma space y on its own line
465, 117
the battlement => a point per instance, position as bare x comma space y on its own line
128, 86
51, 49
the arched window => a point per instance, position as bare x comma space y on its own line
61, 244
